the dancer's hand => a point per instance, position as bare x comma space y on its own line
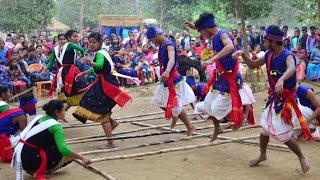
86, 59
79, 76
279, 86
165, 76
190, 25
85, 160
204, 65
236, 54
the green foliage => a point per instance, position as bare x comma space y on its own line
308, 12
253, 9
22, 16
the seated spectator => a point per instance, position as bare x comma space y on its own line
4, 80
145, 68
32, 58
313, 68
116, 44
181, 52
3, 53
190, 52
198, 47
42, 58
207, 53
14, 72
136, 59
22, 63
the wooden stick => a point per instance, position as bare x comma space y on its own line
95, 170
22, 93
279, 146
123, 121
171, 149
139, 115
129, 131
135, 136
145, 144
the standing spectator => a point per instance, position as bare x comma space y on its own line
171, 36
251, 38
286, 38
312, 39
178, 38
259, 39
236, 37
301, 60
186, 40
34, 41
304, 37
313, 68
295, 39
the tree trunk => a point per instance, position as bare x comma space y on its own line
81, 17
252, 73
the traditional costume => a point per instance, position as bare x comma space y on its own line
65, 78
224, 87
307, 109
40, 148
103, 94
175, 93
281, 109
7, 128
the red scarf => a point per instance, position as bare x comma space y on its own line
113, 92
68, 81
237, 108
10, 111
43, 155
286, 112
172, 100
251, 117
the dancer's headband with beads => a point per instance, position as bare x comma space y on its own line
153, 32
208, 23
271, 35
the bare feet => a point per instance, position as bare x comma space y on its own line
114, 124
190, 131
107, 146
304, 165
174, 122
215, 133
256, 162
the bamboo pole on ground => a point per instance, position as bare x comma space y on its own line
22, 93
145, 144
123, 121
95, 170
129, 131
171, 149
134, 136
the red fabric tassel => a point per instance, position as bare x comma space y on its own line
113, 92
237, 108
69, 79
251, 116
172, 100
6, 150
43, 166
54, 82
207, 87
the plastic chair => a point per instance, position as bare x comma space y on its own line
39, 84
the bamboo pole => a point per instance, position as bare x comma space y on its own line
123, 121
182, 148
145, 144
134, 136
22, 93
95, 170
278, 146
129, 131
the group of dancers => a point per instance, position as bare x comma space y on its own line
40, 148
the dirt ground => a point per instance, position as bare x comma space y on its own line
228, 161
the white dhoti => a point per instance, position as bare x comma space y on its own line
219, 105
184, 93
306, 112
272, 124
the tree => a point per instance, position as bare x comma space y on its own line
308, 11
23, 16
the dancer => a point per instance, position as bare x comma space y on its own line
173, 93
310, 109
41, 146
67, 70
277, 118
104, 93
11, 121
224, 97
